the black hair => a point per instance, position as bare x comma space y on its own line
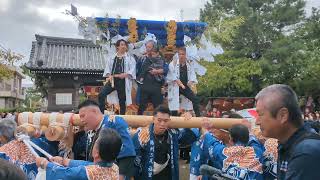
109, 144
183, 48
235, 115
162, 109
87, 103
121, 40
239, 133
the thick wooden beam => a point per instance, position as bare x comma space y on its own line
57, 131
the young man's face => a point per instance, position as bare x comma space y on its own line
88, 117
270, 127
161, 122
122, 48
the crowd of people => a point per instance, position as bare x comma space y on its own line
311, 108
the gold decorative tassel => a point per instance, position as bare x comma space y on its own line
171, 35
132, 28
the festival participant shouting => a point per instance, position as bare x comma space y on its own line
105, 151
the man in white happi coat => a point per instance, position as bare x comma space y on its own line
180, 78
120, 71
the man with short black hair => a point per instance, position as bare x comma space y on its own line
239, 160
239, 133
105, 151
157, 147
120, 71
181, 78
279, 117
93, 120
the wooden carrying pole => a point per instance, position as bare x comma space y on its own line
57, 132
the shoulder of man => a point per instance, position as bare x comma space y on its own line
308, 145
114, 120
143, 135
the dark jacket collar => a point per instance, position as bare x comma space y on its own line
293, 138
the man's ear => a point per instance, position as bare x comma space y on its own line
283, 115
95, 152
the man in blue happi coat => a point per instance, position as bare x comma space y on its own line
157, 147
93, 121
242, 160
106, 149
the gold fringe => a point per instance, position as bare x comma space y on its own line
171, 35
132, 28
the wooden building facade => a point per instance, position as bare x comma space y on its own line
66, 69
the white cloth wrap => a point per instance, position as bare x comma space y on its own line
157, 168
25, 118
36, 119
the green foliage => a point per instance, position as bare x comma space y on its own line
285, 45
224, 30
229, 77
41, 82
18, 109
8, 58
33, 99
5, 72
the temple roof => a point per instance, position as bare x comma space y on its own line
57, 55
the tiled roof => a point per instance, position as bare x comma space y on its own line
65, 54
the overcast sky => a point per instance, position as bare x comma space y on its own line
22, 19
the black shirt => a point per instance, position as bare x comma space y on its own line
184, 74
162, 149
149, 79
118, 65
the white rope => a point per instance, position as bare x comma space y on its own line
39, 149
31, 145
66, 122
52, 118
36, 119
25, 117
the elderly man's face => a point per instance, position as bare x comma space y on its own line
149, 47
270, 127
